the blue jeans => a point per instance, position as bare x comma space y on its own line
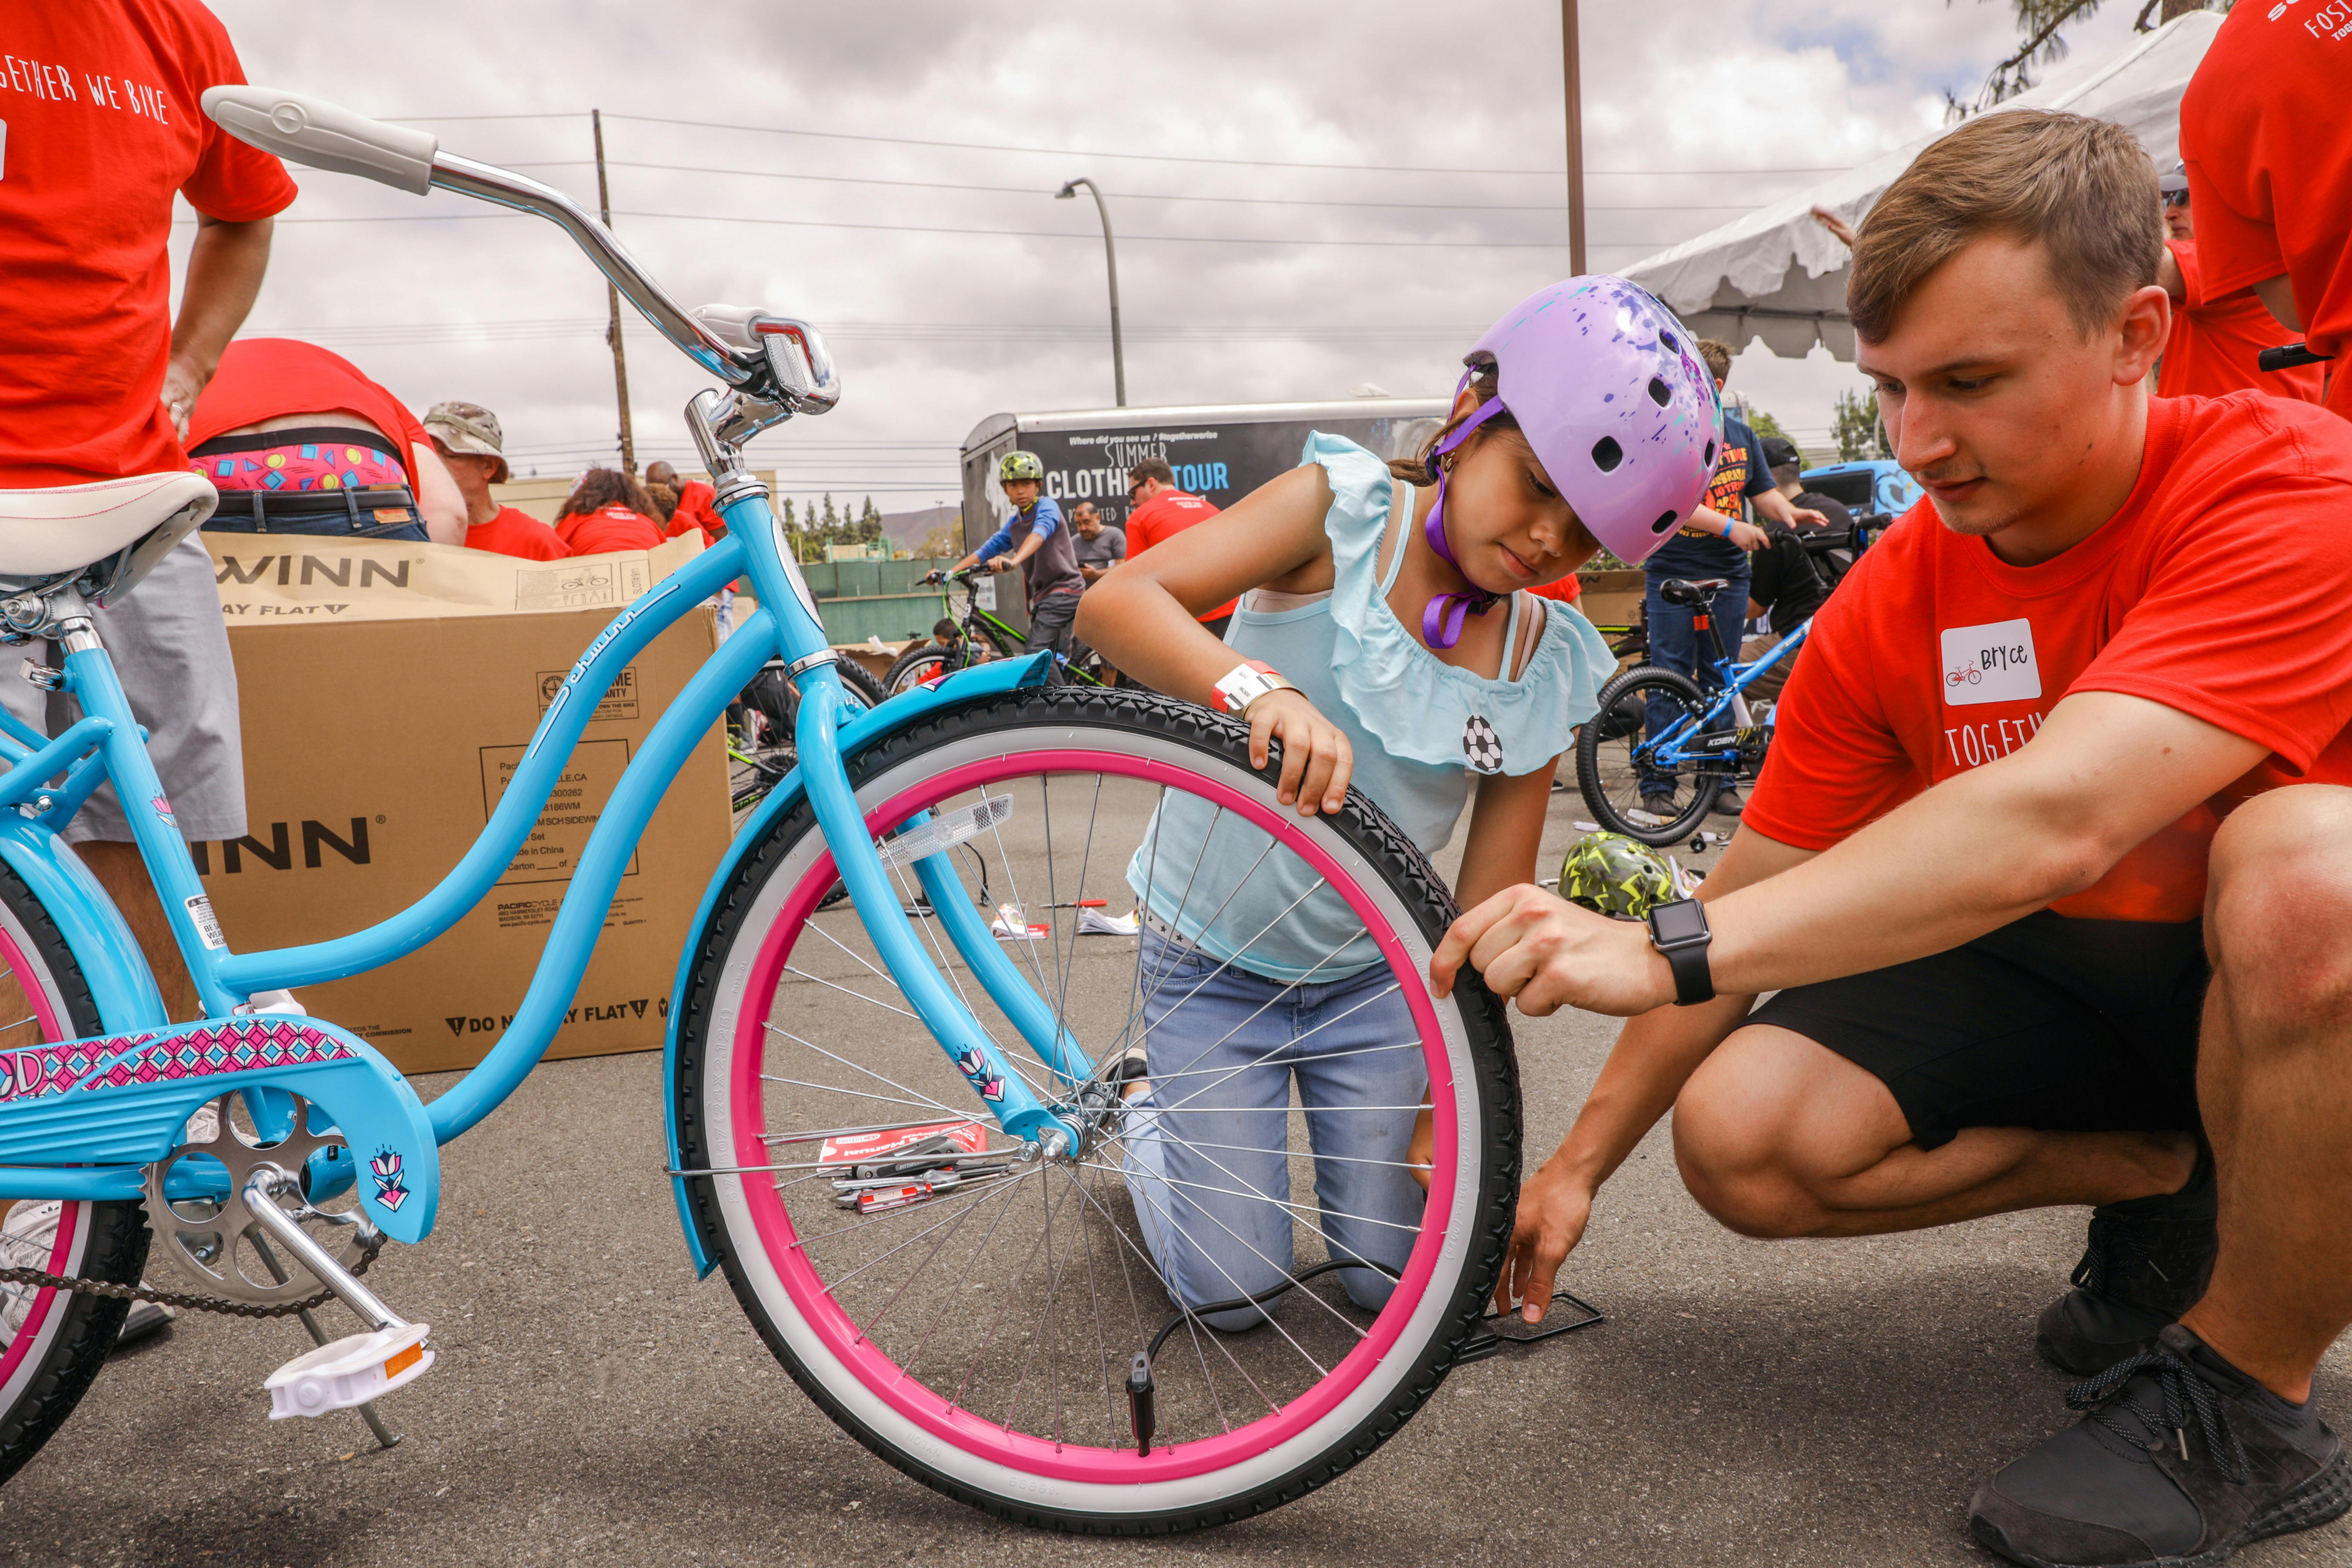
1213, 1134
1677, 644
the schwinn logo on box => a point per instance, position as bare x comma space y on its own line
619, 702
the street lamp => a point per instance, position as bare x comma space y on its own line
1111, 259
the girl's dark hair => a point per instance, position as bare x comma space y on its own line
602, 488
1422, 469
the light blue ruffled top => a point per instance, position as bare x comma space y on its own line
1419, 729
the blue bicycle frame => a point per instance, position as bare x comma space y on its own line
107, 745
1697, 739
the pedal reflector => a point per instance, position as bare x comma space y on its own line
349, 1373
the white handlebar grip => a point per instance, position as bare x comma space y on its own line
312, 130
731, 324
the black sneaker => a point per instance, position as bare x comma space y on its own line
2182, 1459
1727, 802
2148, 1262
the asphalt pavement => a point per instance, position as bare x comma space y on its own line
1745, 1402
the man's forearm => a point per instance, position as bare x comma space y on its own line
1655, 1055
226, 266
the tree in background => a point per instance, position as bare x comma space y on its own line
1856, 427
2041, 43
1764, 425
831, 519
944, 543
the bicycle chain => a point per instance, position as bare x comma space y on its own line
43, 1279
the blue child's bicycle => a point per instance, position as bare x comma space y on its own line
893, 1119
1652, 761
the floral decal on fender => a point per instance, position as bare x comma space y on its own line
385, 1168
975, 1068
163, 806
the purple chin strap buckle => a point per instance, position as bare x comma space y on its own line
1442, 618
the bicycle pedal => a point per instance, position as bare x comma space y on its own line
350, 1372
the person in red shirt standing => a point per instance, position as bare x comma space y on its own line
2268, 149
2215, 341
470, 443
2047, 867
298, 440
1158, 510
607, 511
97, 379
696, 504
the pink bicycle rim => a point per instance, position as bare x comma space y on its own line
70, 1221
1036, 1455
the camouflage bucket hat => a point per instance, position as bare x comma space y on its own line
1612, 874
469, 427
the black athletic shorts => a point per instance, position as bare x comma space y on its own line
2062, 1025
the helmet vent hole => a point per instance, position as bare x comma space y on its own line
1709, 458
1660, 393
1668, 338
1607, 454
1667, 520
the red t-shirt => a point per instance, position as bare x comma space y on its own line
1162, 517
517, 533
2214, 342
608, 528
268, 378
2264, 131
2219, 589
695, 510
103, 125
1568, 590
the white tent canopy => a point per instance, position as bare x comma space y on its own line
1776, 274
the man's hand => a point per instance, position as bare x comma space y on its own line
1747, 536
1554, 1208
1316, 757
1549, 953
182, 379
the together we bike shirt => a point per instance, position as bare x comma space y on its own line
102, 126
2219, 589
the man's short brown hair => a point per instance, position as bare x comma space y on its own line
1717, 355
1151, 468
2080, 188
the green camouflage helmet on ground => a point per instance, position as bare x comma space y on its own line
1612, 874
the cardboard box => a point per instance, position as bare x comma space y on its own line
388, 692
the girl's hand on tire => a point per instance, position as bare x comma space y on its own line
1554, 1208
1422, 1151
1549, 953
1316, 758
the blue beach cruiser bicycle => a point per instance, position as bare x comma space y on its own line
893, 1118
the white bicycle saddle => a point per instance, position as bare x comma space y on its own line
50, 532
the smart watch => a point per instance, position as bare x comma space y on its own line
1678, 930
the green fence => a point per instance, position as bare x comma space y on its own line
885, 599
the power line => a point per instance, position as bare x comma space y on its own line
1129, 196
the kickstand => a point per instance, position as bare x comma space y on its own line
384, 1438
1496, 1330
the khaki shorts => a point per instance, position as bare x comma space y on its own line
170, 649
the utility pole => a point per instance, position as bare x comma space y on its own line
1575, 137
613, 305
1110, 261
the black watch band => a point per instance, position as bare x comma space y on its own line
1678, 930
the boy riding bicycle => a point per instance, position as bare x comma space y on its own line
1039, 543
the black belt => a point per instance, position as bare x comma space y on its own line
364, 507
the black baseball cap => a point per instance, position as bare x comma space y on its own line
1780, 451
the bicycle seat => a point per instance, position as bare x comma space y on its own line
1696, 592
59, 532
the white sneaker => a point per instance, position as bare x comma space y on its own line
27, 1238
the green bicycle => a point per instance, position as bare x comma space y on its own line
976, 637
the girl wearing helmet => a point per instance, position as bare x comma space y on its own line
1386, 639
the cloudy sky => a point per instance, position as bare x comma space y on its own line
1308, 197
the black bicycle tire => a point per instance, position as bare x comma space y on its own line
1384, 847
1704, 786
117, 1249
914, 658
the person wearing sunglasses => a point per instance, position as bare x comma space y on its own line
2215, 339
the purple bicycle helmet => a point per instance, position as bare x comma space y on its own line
1607, 388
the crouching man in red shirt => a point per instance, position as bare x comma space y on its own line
2049, 865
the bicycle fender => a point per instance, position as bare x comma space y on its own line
122, 1100
901, 712
94, 930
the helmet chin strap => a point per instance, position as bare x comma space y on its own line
1443, 618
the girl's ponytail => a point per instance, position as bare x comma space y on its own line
1422, 469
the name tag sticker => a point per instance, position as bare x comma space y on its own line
1992, 663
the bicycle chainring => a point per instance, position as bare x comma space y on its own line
216, 1242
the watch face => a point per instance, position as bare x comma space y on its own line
1682, 920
